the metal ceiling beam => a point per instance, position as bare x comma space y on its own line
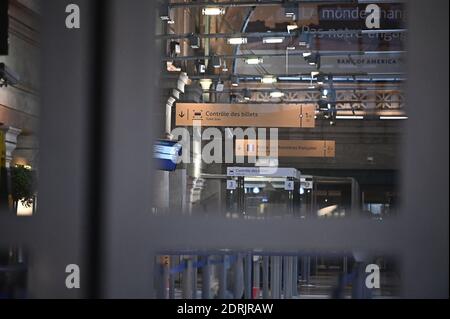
296, 75
266, 90
281, 54
277, 34
228, 4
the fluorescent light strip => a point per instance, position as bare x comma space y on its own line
237, 41
253, 61
213, 11
269, 80
393, 117
349, 117
276, 94
273, 40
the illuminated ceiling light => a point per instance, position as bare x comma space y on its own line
276, 94
206, 84
306, 54
314, 74
234, 80
237, 41
291, 27
254, 60
349, 117
393, 117
273, 40
324, 94
269, 79
213, 11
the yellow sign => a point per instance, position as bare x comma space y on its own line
246, 115
287, 148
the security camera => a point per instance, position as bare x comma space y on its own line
7, 76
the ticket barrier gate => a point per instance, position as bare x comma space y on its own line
255, 192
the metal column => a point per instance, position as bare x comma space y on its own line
295, 276
275, 277
287, 277
187, 280
194, 277
238, 277
172, 278
223, 277
256, 277
248, 276
306, 271
265, 292
206, 278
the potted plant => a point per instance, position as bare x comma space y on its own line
22, 186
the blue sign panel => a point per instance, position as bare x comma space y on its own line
166, 154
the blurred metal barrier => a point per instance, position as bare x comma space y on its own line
98, 216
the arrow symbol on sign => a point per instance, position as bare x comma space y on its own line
181, 114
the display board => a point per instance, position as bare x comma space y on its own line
246, 115
287, 148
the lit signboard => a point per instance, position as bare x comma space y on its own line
287, 148
246, 115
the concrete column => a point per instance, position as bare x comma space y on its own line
11, 134
161, 192
178, 191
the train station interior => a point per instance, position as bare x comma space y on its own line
229, 149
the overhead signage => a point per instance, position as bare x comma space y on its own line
358, 16
231, 184
263, 171
287, 148
246, 115
289, 185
